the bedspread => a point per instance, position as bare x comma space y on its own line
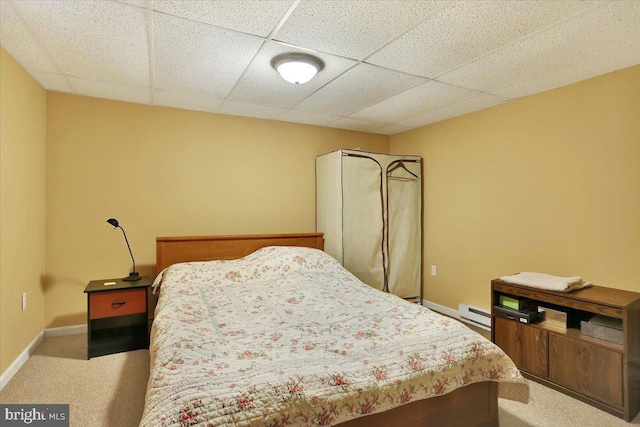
287, 337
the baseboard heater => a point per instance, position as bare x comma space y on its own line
475, 316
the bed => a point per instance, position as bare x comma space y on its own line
268, 330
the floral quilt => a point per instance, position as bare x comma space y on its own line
287, 337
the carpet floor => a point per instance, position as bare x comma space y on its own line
109, 391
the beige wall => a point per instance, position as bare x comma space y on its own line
547, 183
23, 109
162, 172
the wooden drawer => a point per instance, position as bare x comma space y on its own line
117, 303
586, 368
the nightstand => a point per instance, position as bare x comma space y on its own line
117, 316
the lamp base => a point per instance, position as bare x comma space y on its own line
132, 277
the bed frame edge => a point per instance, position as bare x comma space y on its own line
175, 249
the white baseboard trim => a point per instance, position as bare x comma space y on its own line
33, 345
443, 309
20, 360
65, 330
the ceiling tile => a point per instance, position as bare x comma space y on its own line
22, 45
251, 110
257, 17
53, 81
307, 118
469, 29
98, 89
601, 40
391, 129
558, 77
414, 101
262, 84
355, 124
197, 58
465, 106
93, 39
351, 28
186, 101
358, 88
601, 58
139, 3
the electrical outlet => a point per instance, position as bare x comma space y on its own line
24, 301
433, 270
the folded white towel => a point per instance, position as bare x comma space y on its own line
547, 281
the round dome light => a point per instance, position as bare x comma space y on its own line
297, 68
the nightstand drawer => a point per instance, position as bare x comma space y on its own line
117, 303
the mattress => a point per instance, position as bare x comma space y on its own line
287, 337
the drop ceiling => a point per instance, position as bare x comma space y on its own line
390, 66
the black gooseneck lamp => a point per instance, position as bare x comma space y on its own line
133, 276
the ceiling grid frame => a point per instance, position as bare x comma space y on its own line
445, 5
242, 22
273, 31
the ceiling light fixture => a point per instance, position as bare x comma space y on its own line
297, 68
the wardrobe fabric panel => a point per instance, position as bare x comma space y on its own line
404, 230
362, 221
369, 207
329, 202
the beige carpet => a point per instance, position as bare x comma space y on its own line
109, 391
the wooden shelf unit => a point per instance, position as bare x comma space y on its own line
601, 373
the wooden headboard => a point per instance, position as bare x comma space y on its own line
171, 250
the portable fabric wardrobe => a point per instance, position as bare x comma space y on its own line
369, 207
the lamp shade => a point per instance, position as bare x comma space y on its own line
297, 68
